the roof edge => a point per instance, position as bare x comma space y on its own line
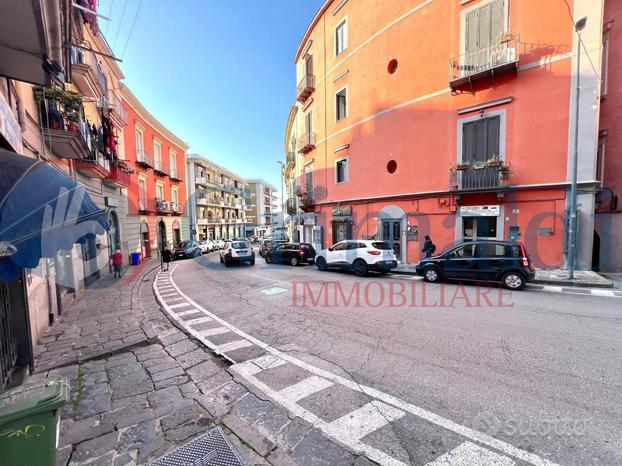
310, 28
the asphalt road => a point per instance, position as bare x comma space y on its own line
477, 374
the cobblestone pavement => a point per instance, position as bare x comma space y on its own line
140, 387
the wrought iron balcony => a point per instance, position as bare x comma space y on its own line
306, 203
480, 178
162, 206
305, 88
95, 165
160, 168
143, 159
290, 206
118, 177
306, 143
485, 63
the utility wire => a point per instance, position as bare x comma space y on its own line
131, 29
109, 16
581, 43
119, 26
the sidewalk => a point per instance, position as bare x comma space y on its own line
583, 278
140, 388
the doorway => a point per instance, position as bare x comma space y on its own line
342, 230
392, 233
474, 228
161, 236
596, 252
89, 261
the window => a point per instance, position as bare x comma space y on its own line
341, 104
142, 194
139, 145
484, 26
174, 196
157, 153
491, 250
600, 156
309, 180
341, 170
605, 64
173, 162
480, 139
341, 37
159, 191
308, 124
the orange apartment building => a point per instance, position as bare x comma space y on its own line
453, 118
157, 195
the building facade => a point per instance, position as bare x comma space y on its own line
384, 143
217, 202
261, 205
157, 197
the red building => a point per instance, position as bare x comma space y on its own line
157, 195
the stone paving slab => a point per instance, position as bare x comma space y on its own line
159, 388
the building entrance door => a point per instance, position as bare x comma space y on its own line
392, 233
161, 236
479, 228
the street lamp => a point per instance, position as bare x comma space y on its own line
282, 164
573, 221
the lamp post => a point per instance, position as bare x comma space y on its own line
282, 165
573, 220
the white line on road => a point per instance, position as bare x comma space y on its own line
606, 293
234, 345
374, 454
305, 387
214, 331
170, 294
185, 313
552, 289
175, 306
363, 421
199, 320
468, 454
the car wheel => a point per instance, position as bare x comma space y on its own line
432, 275
252, 261
221, 261
513, 281
360, 267
268, 258
321, 265
294, 261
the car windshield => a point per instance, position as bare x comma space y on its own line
240, 245
382, 245
185, 244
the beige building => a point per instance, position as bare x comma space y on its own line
216, 202
261, 204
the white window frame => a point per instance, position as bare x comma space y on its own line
347, 170
467, 10
159, 186
502, 131
344, 88
344, 23
157, 149
138, 131
172, 160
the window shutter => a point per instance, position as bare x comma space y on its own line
484, 28
308, 123
472, 31
468, 142
492, 140
309, 65
497, 26
480, 141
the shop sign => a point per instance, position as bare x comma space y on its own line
308, 219
342, 211
479, 211
9, 127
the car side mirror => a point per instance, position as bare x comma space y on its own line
330, 249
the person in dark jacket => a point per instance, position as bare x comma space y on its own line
428, 247
167, 256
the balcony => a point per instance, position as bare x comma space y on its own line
144, 160
177, 208
113, 103
168, 207
160, 168
306, 143
210, 220
306, 203
290, 160
95, 165
145, 205
87, 74
489, 177
290, 206
485, 64
174, 175
305, 88
119, 177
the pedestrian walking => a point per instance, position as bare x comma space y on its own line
428, 247
167, 256
117, 263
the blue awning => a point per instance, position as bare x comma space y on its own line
42, 211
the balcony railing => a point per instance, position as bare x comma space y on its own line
95, 165
306, 203
479, 178
118, 177
160, 168
174, 175
113, 103
502, 56
87, 73
290, 206
306, 143
143, 159
305, 88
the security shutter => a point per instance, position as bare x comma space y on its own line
480, 139
484, 26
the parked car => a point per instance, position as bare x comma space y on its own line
237, 251
268, 243
219, 244
206, 246
358, 255
488, 261
291, 253
187, 249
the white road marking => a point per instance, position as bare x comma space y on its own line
186, 312
406, 277
607, 293
170, 294
274, 290
234, 345
552, 289
175, 306
363, 421
214, 331
372, 453
468, 454
173, 299
304, 388
199, 320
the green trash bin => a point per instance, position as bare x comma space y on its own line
29, 422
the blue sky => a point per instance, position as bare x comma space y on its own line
218, 73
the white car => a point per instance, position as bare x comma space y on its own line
206, 246
237, 251
358, 255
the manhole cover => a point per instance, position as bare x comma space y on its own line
209, 449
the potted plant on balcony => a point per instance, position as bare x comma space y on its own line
462, 166
57, 106
505, 172
494, 161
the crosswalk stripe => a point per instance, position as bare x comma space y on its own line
234, 345
305, 387
551, 288
365, 420
214, 331
186, 312
169, 294
467, 454
174, 298
607, 293
175, 306
199, 320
